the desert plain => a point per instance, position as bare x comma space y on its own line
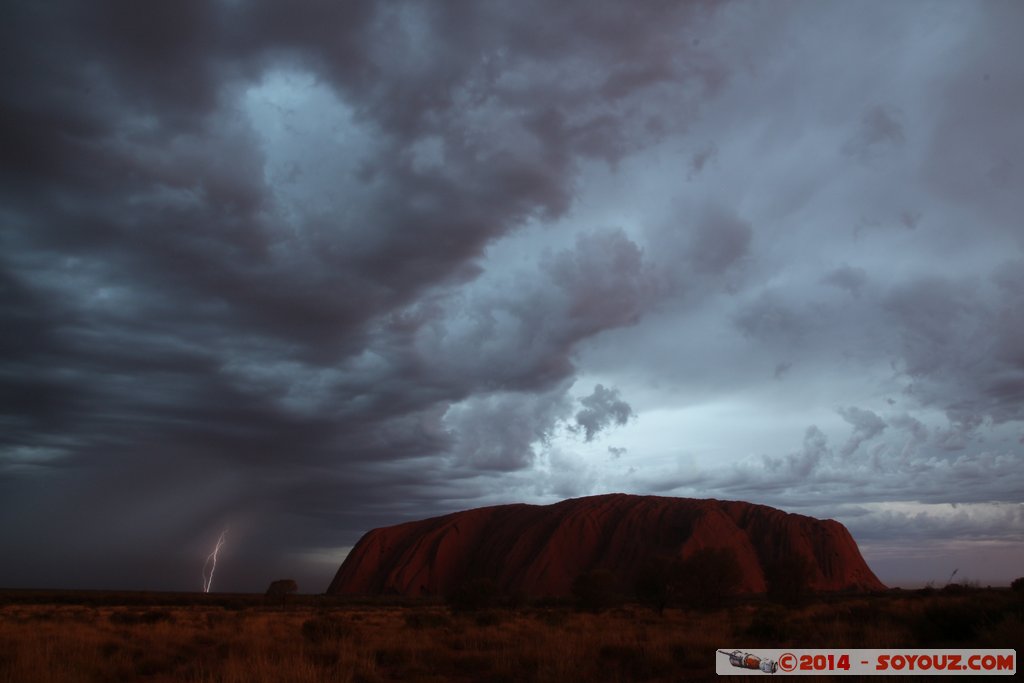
96, 636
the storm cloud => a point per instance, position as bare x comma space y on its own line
312, 269
602, 409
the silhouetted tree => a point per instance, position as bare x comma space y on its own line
707, 578
280, 590
654, 584
789, 579
474, 594
595, 590
1018, 584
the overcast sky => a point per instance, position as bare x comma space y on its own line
303, 269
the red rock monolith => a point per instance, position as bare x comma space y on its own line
539, 550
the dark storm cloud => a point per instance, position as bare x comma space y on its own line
949, 340
847, 277
771, 318
500, 431
916, 429
975, 147
606, 280
701, 158
883, 265
996, 522
820, 474
720, 239
519, 332
616, 452
1008, 327
959, 334
910, 219
804, 462
931, 312
866, 426
880, 129
602, 409
782, 368
306, 269
204, 323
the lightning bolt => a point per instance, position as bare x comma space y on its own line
211, 562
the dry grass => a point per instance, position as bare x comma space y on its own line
55, 641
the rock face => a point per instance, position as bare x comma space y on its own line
540, 550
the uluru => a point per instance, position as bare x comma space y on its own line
540, 550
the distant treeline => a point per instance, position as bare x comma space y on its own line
100, 598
